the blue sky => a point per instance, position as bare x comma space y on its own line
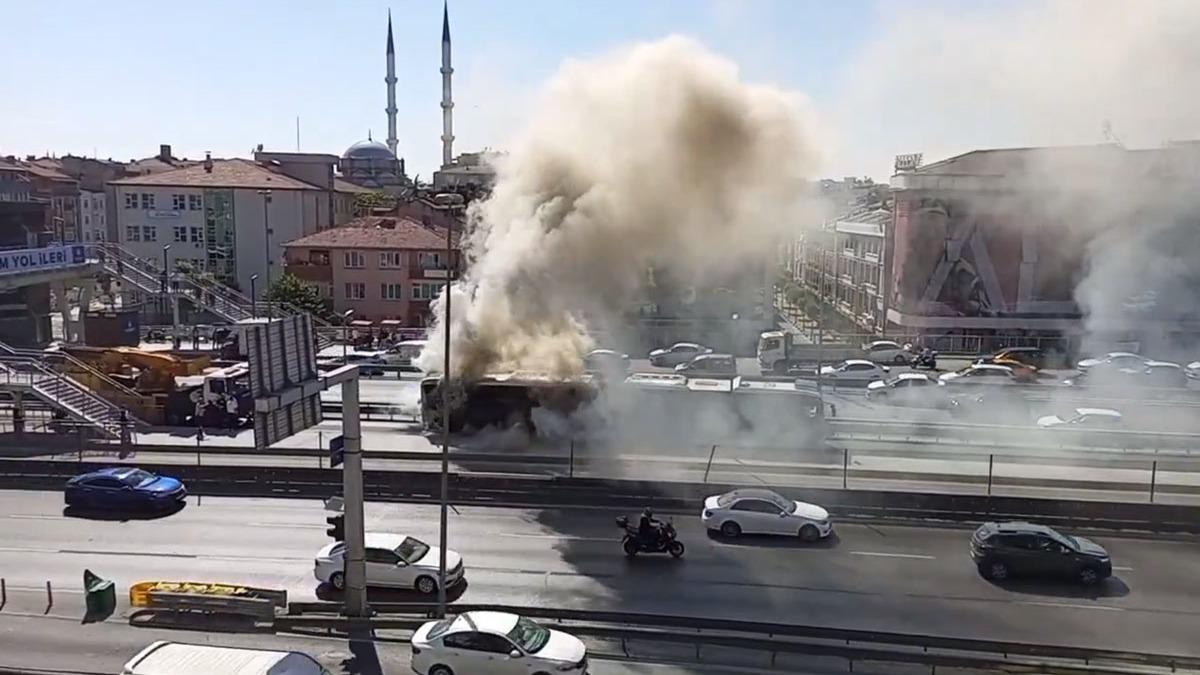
118, 78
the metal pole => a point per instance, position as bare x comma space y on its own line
1153, 479
571, 467
352, 489
845, 465
708, 467
445, 493
821, 333
991, 464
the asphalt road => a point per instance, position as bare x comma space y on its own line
885, 578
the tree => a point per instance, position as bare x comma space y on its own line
292, 290
365, 202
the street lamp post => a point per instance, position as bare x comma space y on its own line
253, 297
445, 493
166, 248
346, 334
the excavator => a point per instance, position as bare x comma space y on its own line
171, 390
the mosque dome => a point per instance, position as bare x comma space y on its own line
368, 149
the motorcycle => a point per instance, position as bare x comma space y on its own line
665, 542
926, 358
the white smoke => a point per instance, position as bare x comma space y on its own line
656, 155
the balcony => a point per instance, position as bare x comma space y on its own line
306, 270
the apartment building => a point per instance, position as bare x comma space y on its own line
229, 218
382, 267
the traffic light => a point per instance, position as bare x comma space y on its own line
337, 527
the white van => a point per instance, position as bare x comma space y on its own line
176, 658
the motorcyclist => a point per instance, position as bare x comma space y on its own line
648, 528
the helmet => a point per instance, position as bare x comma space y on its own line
647, 512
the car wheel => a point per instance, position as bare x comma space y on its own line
899, 360
731, 529
996, 571
439, 669
426, 585
338, 580
809, 534
780, 368
1088, 576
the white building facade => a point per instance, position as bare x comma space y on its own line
93, 216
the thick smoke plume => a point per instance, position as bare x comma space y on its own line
657, 155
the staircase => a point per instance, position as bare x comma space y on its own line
23, 372
221, 300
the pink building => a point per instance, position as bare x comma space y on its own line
382, 267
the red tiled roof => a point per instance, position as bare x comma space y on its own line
381, 232
226, 173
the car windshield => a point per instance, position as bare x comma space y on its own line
440, 627
528, 635
136, 477
411, 550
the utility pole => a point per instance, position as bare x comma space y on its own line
352, 488
445, 493
266, 195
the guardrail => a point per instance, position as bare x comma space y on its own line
779, 637
560, 491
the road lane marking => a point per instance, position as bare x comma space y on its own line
21, 549
1122, 569
880, 554
569, 537
143, 554
34, 516
1070, 606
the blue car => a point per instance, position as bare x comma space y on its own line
124, 488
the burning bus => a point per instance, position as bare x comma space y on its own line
644, 406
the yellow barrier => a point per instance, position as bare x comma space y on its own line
139, 593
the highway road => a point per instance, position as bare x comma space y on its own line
57, 644
886, 578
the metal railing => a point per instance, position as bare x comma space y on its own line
56, 388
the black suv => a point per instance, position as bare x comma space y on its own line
1005, 550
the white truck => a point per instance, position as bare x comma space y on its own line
780, 353
177, 658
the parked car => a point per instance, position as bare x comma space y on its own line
982, 373
709, 364
1005, 550
392, 560
887, 351
680, 352
857, 372
908, 389
124, 488
1034, 357
1115, 360
1084, 418
760, 511
496, 643
606, 361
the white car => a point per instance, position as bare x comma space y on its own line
910, 389
981, 373
1115, 360
495, 643
1193, 370
393, 561
760, 511
606, 361
854, 371
1092, 418
680, 352
886, 351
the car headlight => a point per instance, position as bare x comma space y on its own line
707, 514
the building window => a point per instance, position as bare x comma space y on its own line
194, 203
133, 233
391, 260
149, 233
147, 201
354, 259
131, 200
430, 261
86, 220
87, 235
99, 235
101, 220
426, 291
178, 202
197, 235
356, 291
180, 234
391, 291
86, 204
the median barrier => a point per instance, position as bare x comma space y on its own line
560, 491
208, 598
862, 645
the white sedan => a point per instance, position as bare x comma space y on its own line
680, 352
981, 373
1116, 361
393, 561
1090, 418
854, 371
759, 511
908, 389
495, 643
886, 351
